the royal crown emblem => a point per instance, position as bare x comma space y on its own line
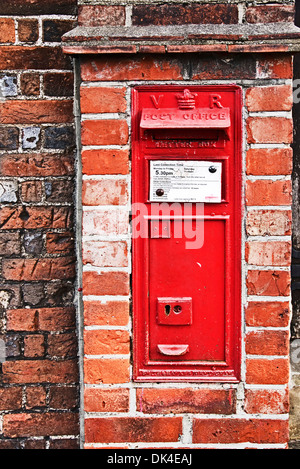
186, 100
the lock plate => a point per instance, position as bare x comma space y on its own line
174, 311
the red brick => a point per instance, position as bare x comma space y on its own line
52, 423
36, 112
173, 14
111, 313
105, 253
240, 431
10, 243
267, 343
41, 319
268, 283
28, 30
105, 162
202, 401
100, 99
269, 130
34, 346
106, 371
36, 7
104, 132
39, 371
106, 400
7, 30
62, 345
98, 342
38, 269
101, 15
264, 192
272, 66
15, 218
32, 191
36, 396
105, 283
271, 98
59, 243
32, 58
10, 398
268, 253
105, 192
132, 429
267, 371
264, 401
36, 165
270, 14
30, 84
123, 69
267, 314
269, 161
269, 222
63, 397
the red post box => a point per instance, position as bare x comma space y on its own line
186, 230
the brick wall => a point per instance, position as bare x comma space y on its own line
38, 378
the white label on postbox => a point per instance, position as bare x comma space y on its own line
185, 181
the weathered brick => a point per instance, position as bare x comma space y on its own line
33, 242
105, 162
269, 98
105, 253
202, 401
38, 269
213, 67
9, 138
268, 253
41, 319
34, 346
105, 192
240, 431
59, 138
274, 66
267, 343
57, 243
264, 401
30, 84
36, 112
267, 161
63, 397
35, 396
11, 398
270, 13
131, 429
32, 58
59, 84
31, 191
7, 30
267, 371
64, 443
269, 130
103, 222
269, 222
12, 218
54, 29
106, 400
36, 164
123, 69
100, 342
39, 371
105, 283
106, 371
62, 345
102, 99
267, 314
104, 132
264, 192
101, 15
268, 283
113, 313
36, 7
58, 190
52, 423
28, 30
10, 243
172, 14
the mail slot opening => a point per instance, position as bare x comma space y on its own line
188, 134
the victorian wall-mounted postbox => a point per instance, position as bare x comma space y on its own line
186, 230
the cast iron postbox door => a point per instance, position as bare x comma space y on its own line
186, 232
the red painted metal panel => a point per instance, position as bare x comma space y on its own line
187, 256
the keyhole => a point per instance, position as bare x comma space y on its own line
167, 310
